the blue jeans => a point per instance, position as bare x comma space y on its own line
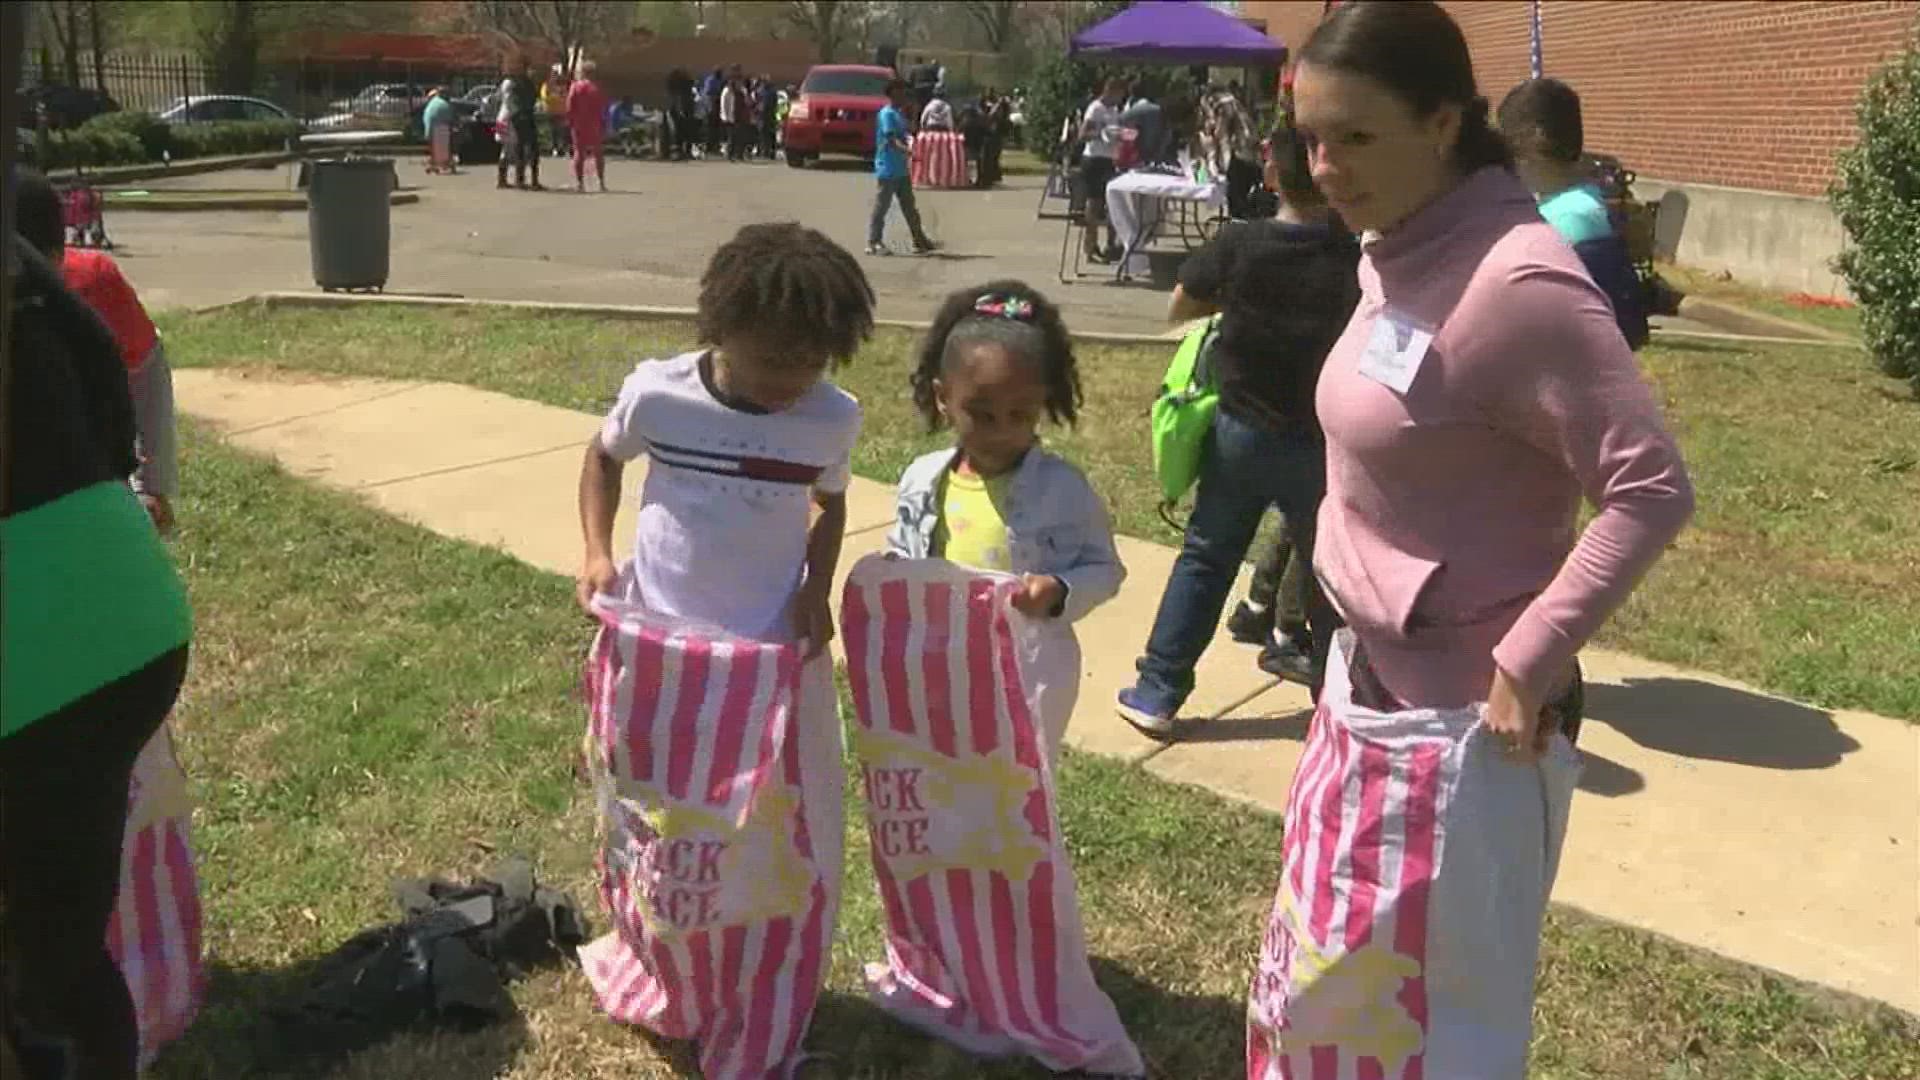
891, 188
1245, 470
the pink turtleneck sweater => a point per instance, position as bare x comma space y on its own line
1447, 537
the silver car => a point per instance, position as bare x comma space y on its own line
213, 107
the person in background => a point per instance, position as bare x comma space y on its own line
938, 115
553, 104
93, 276
710, 90
735, 117
682, 117
893, 179
620, 118
1100, 132
587, 119
520, 110
998, 110
1541, 120
1227, 144
1284, 288
436, 121
766, 110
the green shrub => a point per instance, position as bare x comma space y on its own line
149, 129
1063, 86
81, 148
1877, 196
231, 137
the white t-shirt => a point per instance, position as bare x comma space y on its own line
722, 531
938, 115
1105, 119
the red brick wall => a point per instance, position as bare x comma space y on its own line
1744, 93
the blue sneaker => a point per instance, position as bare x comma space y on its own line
1136, 708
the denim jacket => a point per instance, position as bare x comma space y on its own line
1056, 525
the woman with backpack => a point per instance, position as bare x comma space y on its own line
1284, 289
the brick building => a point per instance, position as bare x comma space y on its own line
1737, 108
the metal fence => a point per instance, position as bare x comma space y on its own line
150, 82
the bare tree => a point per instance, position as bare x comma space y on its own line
566, 26
830, 24
61, 19
995, 18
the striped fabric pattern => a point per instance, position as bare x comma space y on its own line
939, 160
984, 942
155, 934
764, 470
721, 918
1415, 871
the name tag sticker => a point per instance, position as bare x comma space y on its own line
1394, 352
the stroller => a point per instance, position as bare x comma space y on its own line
83, 214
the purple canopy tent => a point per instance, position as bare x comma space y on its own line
1178, 32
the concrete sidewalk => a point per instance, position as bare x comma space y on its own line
1775, 833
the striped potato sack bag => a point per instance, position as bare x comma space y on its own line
984, 942
1414, 874
154, 934
721, 914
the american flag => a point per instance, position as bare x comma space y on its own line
984, 942
721, 919
154, 934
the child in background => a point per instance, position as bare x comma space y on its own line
996, 360
746, 440
93, 276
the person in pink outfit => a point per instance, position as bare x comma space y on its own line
587, 117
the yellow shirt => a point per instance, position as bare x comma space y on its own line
972, 530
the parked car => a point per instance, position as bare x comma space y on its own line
381, 101
65, 106
213, 107
838, 107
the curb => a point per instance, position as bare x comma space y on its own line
120, 174
163, 205
1735, 319
637, 312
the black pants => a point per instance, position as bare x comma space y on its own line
1243, 178
990, 148
767, 140
63, 802
526, 153
740, 140
712, 132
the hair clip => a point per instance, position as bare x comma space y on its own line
1005, 307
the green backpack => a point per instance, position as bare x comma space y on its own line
1183, 414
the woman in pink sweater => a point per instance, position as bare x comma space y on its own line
1481, 390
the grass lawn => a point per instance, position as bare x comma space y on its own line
369, 700
1838, 320
1798, 574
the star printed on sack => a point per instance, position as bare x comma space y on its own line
750, 874
1347, 999
976, 808
158, 788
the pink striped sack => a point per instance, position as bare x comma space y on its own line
1414, 874
721, 914
984, 943
154, 934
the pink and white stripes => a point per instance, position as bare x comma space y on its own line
985, 946
1414, 872
154, 934
721, 916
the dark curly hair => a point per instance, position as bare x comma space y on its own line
788, 283
1008, 313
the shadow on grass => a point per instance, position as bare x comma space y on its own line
1180, 1035
237, 1034
1705, 720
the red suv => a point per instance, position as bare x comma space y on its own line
837, 111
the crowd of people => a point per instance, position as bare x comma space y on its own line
1437, 299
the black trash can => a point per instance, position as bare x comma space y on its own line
350, 221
